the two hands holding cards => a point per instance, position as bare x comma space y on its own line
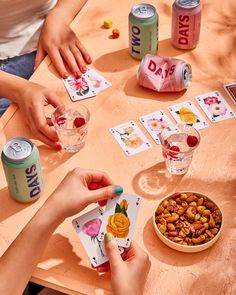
77, 190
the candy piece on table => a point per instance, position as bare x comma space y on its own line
115, 33
107, 23
78, 122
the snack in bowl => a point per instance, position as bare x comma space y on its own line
188, 221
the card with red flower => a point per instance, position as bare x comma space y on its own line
79, 88
215, 106
87, 227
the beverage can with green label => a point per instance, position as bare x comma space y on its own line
143, 30
21, 163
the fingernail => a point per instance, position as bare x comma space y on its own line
83, 69
65, 75
108, 237
78, 74
118, 190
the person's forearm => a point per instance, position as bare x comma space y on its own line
11, 86
20, 259
66, 10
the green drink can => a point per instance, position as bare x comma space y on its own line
21, 163
143, 30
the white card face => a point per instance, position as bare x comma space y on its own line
187, 113
231, 91
215, 106
79, 88
87, 227
130, 138
155, 123
97, 81
120, 217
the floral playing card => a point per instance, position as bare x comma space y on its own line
187, 113
98, 82
120, 217
215, 106
130, 138
155, 123
79, 88
87, 227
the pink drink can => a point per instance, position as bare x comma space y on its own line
164, 74
186, 22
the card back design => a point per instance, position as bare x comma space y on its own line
231, 91
215, 106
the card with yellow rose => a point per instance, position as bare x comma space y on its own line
187, 113
120, 217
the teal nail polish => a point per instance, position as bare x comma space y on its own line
118, 190
108, 237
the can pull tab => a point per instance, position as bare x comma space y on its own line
16, 147
143, 10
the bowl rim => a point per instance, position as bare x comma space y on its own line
196, 247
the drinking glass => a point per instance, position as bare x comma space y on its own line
71, 124
178, 144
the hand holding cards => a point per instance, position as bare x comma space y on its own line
119, 219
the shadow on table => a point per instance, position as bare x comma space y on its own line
132, 88
155, 182
116, 61
51, 159
59, 251
10, 207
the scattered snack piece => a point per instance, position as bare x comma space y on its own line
107, 23
115, 34
78, 122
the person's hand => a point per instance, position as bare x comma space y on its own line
129, 272
63, 47
31, 99
78, 189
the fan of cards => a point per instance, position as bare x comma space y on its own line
119, 219
88, 85
132, 140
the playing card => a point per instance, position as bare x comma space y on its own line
215, 106
130, 138
98, 82
120, 217
231, 90
79, 88
155, 123
87, 227
187, 113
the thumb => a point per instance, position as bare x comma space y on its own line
104, 193
112, 251
39, 57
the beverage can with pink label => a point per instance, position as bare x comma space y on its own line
164, 74
186, 22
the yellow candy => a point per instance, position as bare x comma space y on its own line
107, 23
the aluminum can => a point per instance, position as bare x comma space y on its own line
21, 163
186, 22
143, 30
164, 74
